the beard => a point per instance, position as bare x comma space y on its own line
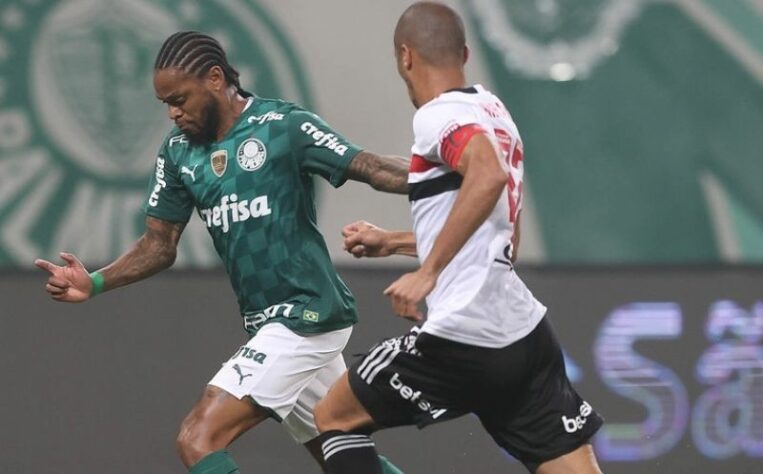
210, 124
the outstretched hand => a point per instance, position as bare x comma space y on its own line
408, 291
70, 283
363, 239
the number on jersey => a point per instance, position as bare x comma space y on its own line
513, 152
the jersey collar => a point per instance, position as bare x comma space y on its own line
465, 90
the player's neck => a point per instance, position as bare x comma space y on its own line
232, 108
436, 81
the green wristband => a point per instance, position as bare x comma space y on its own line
98, 283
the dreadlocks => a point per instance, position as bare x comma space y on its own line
195, 53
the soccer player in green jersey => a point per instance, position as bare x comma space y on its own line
246, 164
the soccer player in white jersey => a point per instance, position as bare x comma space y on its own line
486, 347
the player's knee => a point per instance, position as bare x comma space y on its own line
331, 416
185, 436
191, 443
580, 461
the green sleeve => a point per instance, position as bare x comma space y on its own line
167, 198
318, 149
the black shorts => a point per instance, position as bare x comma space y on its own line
520, 392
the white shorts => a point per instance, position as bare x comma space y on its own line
286, 373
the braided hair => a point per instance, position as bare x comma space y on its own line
195, 53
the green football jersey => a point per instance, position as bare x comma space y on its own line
254, 191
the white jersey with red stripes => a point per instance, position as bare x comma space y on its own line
479, 299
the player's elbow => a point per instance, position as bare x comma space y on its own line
168, 258
486, 178
160, 252
160, 257
497, 180
491, 182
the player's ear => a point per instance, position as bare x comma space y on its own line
467, 52
215, 79
406, 57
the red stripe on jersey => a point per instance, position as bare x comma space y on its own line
452, 146
419, 164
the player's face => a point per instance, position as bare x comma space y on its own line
191, 105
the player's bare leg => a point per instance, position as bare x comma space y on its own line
217, 419
580, 461
341, 410
344, 425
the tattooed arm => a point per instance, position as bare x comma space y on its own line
383, 173
153, 252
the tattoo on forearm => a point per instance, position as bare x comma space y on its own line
152, 253
383, 173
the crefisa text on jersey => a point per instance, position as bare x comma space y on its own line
153, 200
232, 210
268, 117
327, 140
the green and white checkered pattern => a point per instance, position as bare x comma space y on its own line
261, 212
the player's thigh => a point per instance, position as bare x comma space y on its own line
580, 461
341, 410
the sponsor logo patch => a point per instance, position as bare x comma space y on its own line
249, 353
189, 171
178, 140
231, 210
253, 322
326, 140
572, 425
241, 375
268, 117
407, 393
153, 200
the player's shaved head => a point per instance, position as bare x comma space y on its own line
435, 31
